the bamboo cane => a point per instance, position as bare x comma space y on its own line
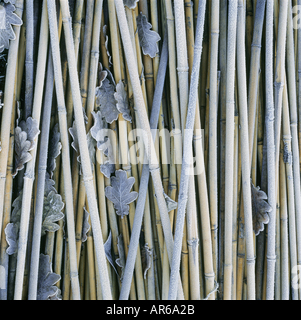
29, 175
88, 178
223, 68
292, 94
213, 111
151, 154
187, 156
229, 149
29, 68
254, 70
129, 267
9, 103
242, 87
299, 82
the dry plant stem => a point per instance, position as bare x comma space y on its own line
232, 14
279, 77
242, 92
182, 69
86, 52
285, 288
286, 132
87, 171
299, 82
255, 70
223, 69
43, 45
292, 93
186, 162
65, 147
9, 104
270, 150
94, 61
143, 120
143, 186
213, 111
29, 63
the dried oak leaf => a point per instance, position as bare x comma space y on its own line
22, 148
86, 225
106, 102
11, 233
53, 205
120, 192
148, 38
105, 27
46, 279
102, 74
107, 169
122, 102
54, 149
146, 258
25, 135
120, 261
260, 209
7, 19
108, 251
131, 4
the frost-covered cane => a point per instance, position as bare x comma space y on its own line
254, 71
36, 113
229, 159
9, 103
187, 153
279, 82
65, 146
143, 186
143, 118
85, 158
245, 163
292, 90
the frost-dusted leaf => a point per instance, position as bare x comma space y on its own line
53, 205
120, 261
49, 185
148, 39
131, 4
86, 225
7, 19
110, 77
171, 204
108, 251
11, 233
106, 102
91, 147
17, 206
22, 148
73, 133
57, 296
260, 209
146, 258
31, 127
122, 101
105, 27
11, 1
46, 279
102, 74
120, 192
54, 149
107, 169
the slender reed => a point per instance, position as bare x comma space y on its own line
85, 158
9, 104
292, 94
187, 156
232, 14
